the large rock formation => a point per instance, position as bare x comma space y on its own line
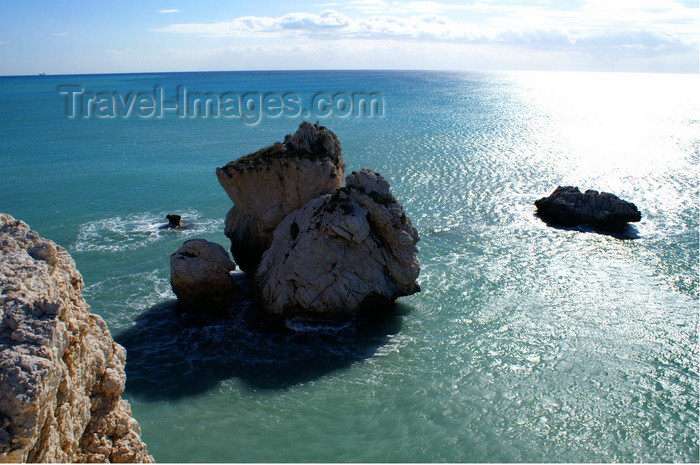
271, 183
200, 274
340, 253
567, 206
61, 374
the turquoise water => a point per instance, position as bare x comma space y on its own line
527, 343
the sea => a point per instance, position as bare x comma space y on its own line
527, 342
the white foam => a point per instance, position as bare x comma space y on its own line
134, 231
135, 292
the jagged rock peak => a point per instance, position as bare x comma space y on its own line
309, 141
269, 184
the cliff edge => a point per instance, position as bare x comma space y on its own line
61, 373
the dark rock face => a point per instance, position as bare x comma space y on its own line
567, 206
248, 237
173, 221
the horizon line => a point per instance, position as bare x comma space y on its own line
307, 70
396, 70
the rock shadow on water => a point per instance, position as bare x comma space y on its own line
626, 232
172, 354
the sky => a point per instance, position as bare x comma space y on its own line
101, 36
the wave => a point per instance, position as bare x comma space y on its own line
120, 299
118, 233
311, 325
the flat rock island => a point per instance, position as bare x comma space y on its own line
568, 206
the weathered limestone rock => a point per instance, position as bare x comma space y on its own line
340, 253
61, 374
200, 274
271, 183
567, 206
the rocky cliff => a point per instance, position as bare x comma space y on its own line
61, 374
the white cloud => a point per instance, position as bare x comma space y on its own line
252, 25
628, 23
399, 8
428, 27
608, 32
3, 43
59, 34
174, 10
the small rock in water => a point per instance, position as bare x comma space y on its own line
173, 221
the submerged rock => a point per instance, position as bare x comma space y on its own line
271, 183
567, 206
200, 274
61, 373
340, 253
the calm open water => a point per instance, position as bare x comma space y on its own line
527, 343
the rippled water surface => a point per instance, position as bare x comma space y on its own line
527, 342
